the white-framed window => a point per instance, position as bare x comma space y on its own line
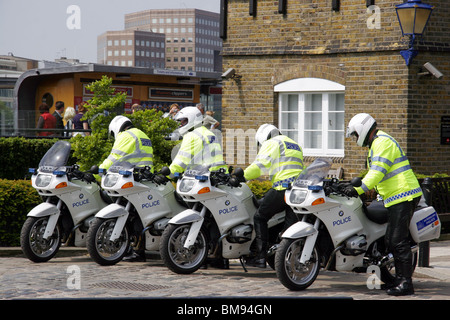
311, 111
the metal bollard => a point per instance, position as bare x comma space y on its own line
424, 247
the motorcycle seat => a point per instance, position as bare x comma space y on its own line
377, 212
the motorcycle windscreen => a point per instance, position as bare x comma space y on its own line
315, 173
56, 157
131, 161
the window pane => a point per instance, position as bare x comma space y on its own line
292, 103
313, 121
336, 102
313, 139
291, 134
335, 140
313, 102
289, 121
336, 121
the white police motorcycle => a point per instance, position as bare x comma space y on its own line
339, 233
71, 199
140, 213
219, 223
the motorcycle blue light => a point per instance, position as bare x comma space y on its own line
59, 173
125, 173
315, 188
102, 171
201, 178
32, 170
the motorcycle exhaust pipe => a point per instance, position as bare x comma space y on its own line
390, 258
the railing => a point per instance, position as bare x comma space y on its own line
28, 133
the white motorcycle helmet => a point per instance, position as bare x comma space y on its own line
117, 125
361, 126
189, 118
266, 132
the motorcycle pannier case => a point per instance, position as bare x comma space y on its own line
425, 225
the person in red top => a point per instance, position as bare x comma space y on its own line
46, 121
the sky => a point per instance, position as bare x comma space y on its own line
49, 29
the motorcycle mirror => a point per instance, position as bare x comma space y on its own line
94, 169
165, 171
356, 182
239, 172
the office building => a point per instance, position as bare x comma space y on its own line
131, 48
191, 35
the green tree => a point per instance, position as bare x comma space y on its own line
102, 108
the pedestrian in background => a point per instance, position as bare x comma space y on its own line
45, 121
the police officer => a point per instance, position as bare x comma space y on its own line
282, 158
391, 174
134, 146
199, 145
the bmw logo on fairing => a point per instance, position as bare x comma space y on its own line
81, 196
227, 203
341, 213
150, 197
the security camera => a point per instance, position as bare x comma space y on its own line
432, 69
228, 74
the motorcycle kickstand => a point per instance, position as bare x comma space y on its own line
242, 263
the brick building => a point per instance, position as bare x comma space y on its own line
310, 69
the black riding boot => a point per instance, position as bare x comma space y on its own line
259, 258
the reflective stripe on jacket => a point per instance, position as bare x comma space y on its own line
133, 144
280, 157
199, 146
389, 171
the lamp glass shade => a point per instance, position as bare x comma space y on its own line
413, 17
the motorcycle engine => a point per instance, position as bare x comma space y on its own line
355, 245
240, 234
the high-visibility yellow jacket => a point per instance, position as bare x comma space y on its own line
281, 157
133, 144
199, 146
389, 171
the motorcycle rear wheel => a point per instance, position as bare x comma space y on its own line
290, 272
175, 256
32, 241
102, 250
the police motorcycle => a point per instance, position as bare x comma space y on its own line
340, 233
71, 199
219, 223
141, 211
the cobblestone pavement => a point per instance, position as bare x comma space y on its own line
58, 279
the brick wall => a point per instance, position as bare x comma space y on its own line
313, 41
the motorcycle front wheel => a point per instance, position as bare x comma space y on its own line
32, 241
101, 249
291, 273
175, 256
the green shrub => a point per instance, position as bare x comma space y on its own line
259, 187
17, 198
18, 154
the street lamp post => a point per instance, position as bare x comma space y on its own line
413, 17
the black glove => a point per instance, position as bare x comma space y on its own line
88, 177
160, 179
349, 190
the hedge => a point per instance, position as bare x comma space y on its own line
18, 154
17, 198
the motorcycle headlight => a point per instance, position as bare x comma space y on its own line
186, 185
110, 180
297, 196
43, 180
